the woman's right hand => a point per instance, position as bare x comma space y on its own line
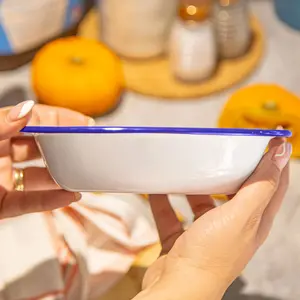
202, 262
40, 193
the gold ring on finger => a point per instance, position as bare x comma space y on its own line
18, 180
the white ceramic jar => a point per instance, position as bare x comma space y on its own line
193, 51
137, 28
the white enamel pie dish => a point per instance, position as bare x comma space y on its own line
152, 160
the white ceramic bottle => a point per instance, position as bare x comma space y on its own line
193, 51
137, 28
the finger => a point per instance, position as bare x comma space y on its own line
276, 142
23, 149
12, 120
58, 116
168, 226
258, 191
19, 203
38, 179
200, 204
275, 204
273, 207
273, 143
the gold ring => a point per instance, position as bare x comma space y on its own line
18, 180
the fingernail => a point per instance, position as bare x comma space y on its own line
91, 122
20, 111
282, 155
279, 127
77, 196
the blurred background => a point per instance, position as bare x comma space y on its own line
199, 63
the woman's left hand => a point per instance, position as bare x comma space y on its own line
40, 193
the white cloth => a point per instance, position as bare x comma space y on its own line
78, 252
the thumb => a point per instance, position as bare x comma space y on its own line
12, 120
257, 192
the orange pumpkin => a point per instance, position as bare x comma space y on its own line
79, 74
264, 106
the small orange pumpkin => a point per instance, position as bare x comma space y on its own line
77, 73
264, 106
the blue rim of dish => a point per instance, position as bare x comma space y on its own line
165, 130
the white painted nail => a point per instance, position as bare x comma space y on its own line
26, 108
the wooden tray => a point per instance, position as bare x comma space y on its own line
153, 78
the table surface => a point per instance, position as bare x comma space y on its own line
273, 273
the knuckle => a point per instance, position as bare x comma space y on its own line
273, 183
253, 222
272, 176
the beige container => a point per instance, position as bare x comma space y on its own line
232, 21
137, 29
